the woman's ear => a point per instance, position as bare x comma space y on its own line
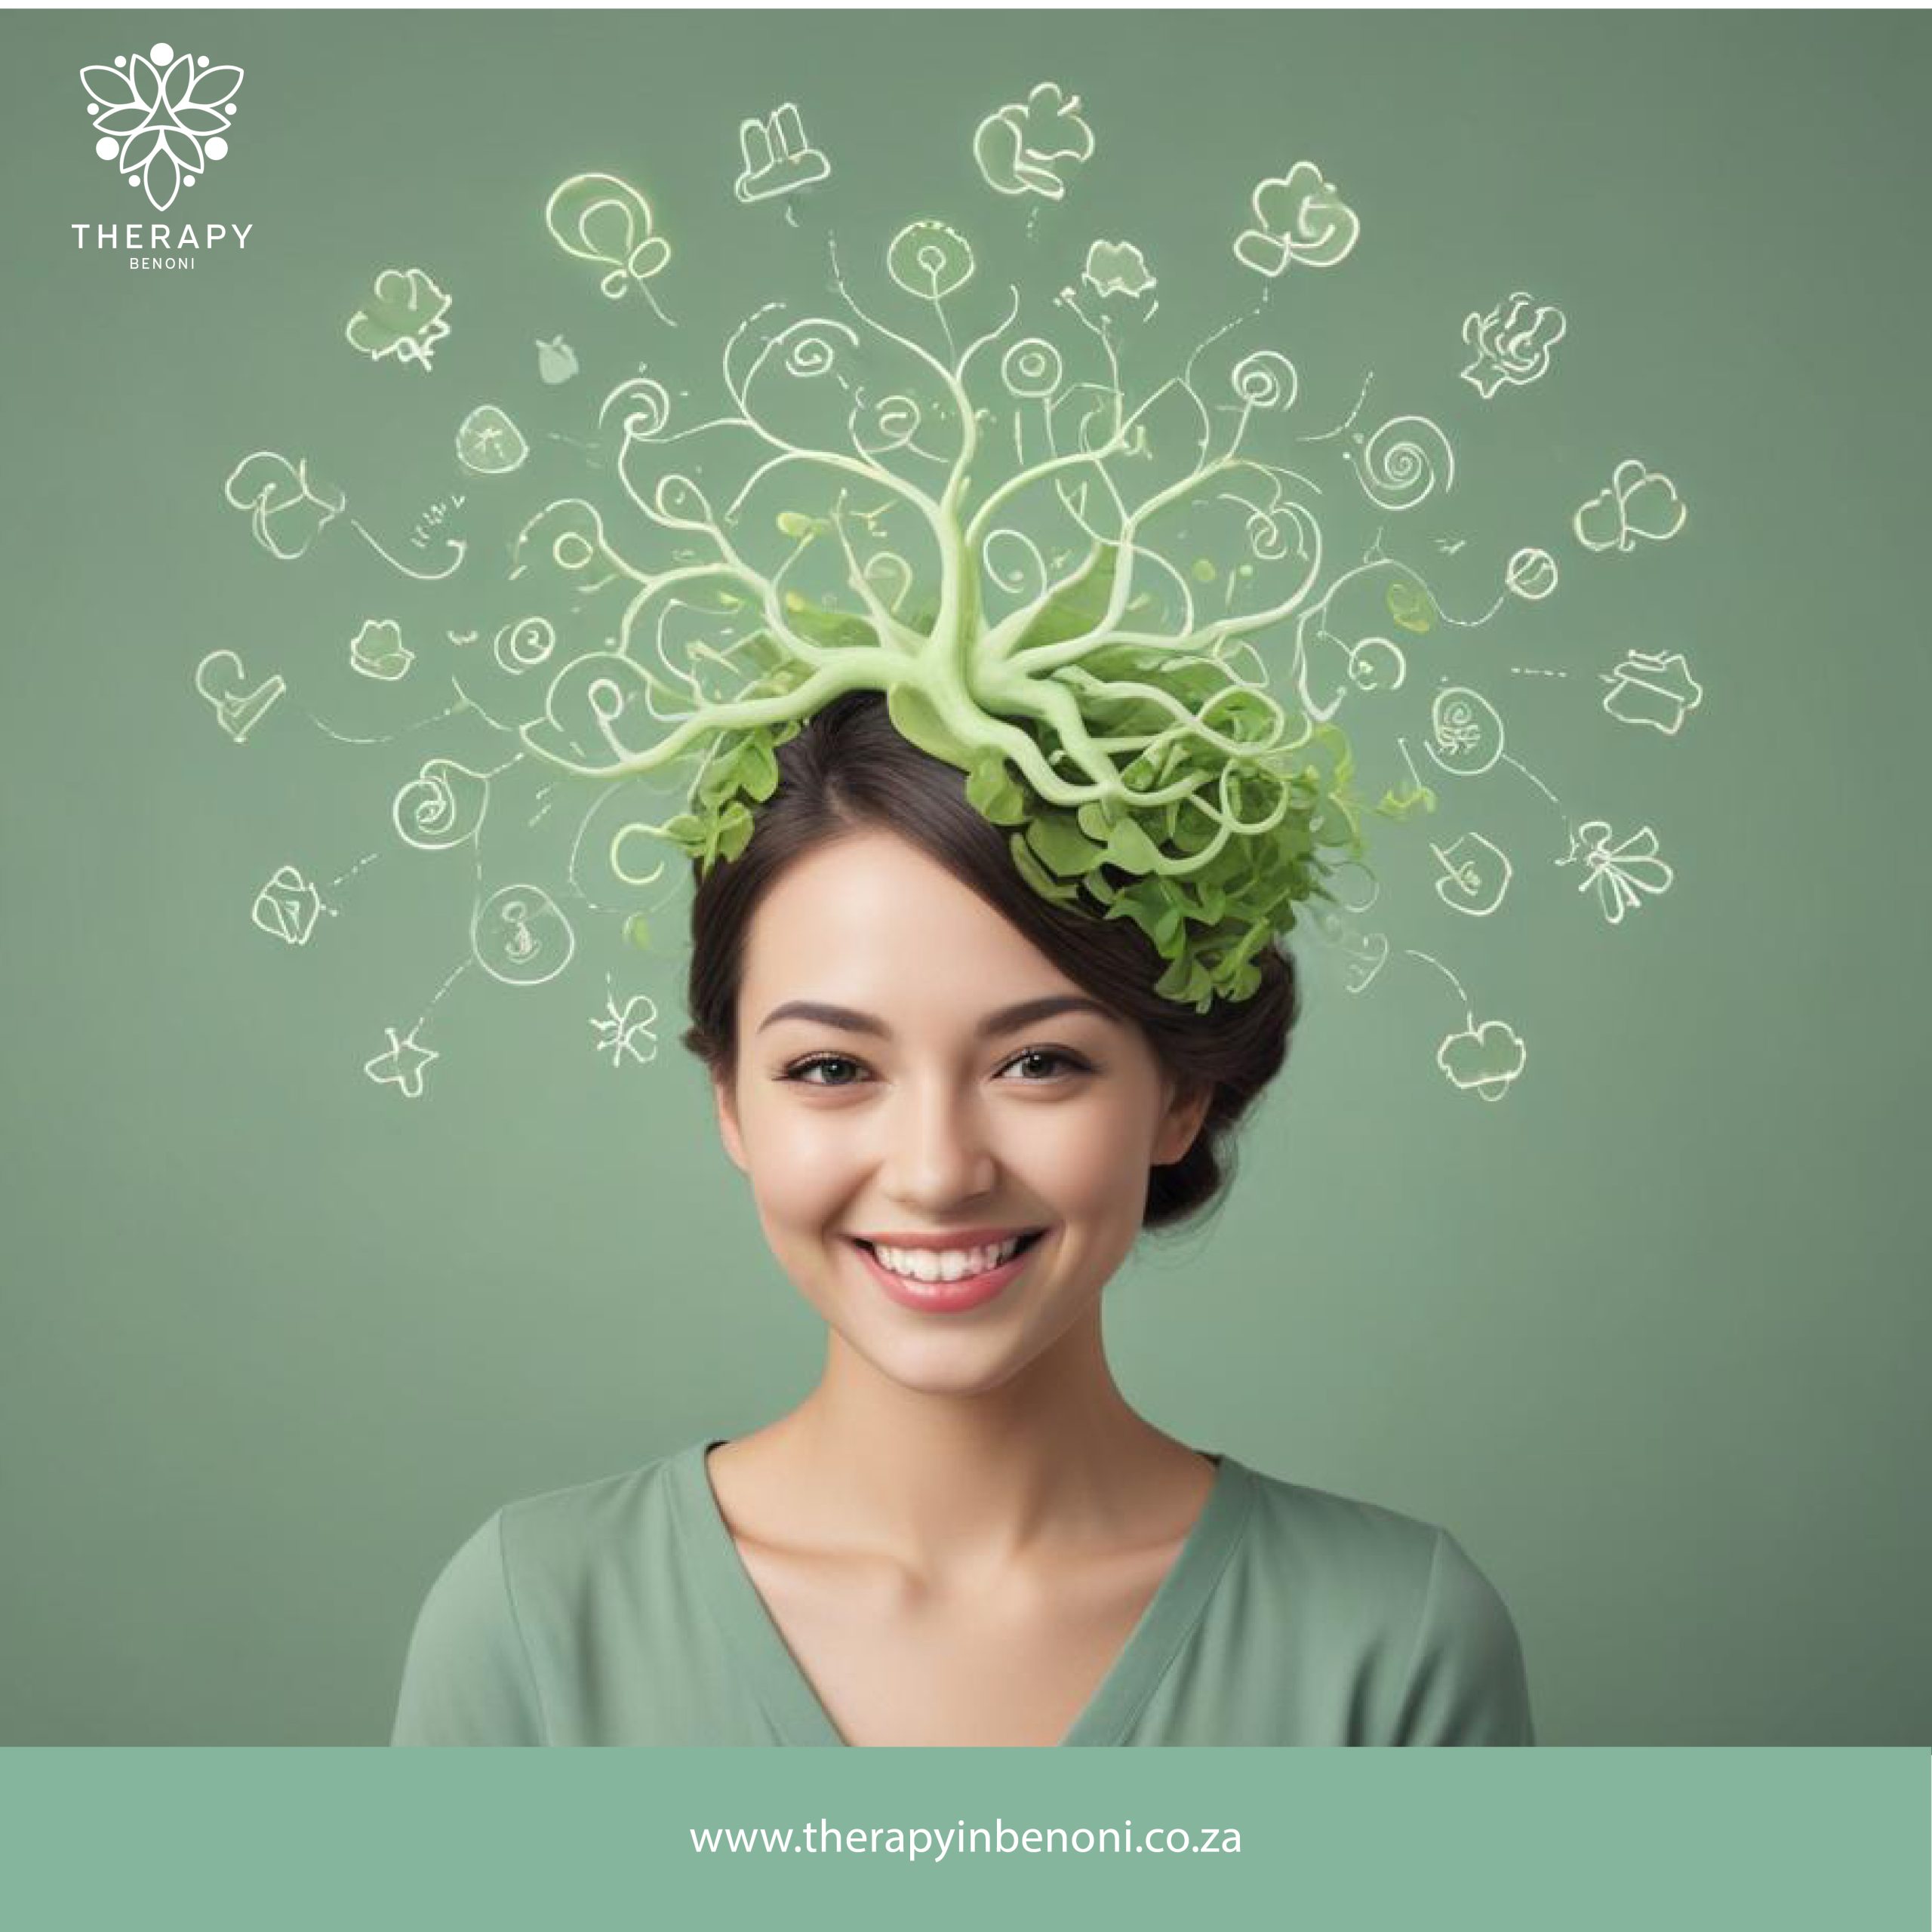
727, 1123
1187, 1109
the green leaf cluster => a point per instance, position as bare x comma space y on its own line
1209, 919
740, 771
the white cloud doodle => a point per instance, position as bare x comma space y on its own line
1486, 1058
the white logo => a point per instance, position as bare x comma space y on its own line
161, 118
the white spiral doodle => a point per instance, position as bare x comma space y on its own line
441, 807
1266, 539
1465, 732
893, 422
1267, 380
646, 407
812, 355
1377, 664
1031, 367
1400, 470
524, 645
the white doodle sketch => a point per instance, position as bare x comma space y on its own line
1024, 147
287, 907
1511, 344
1377, 664
286, 516
432, 520
1639, 502
620, 1028
602, 218
688, 626
556, 360
404, 321
1356, 889
1365, 953
1369, 953
444, 805
1486, 1058
218, 677
401, 1063
778, 159
1465, 732
1298, 217
1400, 470
1531, 575
1117, 268
1475, 875
1652, 688
489, 443
931, 260
522, 646
520, 936
1621, 874
286, 512
377, 651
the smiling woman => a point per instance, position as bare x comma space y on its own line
957, 1105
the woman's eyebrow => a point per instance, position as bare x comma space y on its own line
1007, 1019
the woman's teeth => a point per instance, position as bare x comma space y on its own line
945, 1264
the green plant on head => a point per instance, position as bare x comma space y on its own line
1144, 774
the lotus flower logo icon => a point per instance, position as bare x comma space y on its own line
161, 117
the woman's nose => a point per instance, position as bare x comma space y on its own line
937, 1153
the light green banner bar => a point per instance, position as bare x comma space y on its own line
1577, 1839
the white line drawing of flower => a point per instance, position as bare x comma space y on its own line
1507, 349
161, 118
1017, 146
1298, 217
1117, 268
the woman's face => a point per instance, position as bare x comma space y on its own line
913, 1074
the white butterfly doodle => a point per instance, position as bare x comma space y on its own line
1622, 873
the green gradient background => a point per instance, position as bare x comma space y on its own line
1650, 1336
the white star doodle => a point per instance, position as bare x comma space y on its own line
401, 1065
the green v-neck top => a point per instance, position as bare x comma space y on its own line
620, 1612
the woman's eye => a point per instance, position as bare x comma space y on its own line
836, 1070
1041, 1063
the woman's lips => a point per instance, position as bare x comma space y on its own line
945, 1297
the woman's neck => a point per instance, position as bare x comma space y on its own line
957, 1489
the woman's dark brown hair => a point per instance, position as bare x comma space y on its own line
849, 768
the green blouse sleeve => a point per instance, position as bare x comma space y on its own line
1467, 1682
467, 1679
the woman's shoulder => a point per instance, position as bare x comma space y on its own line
1351, 1535
595, 1498
553, 1542
629, 1512
1378, 1584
